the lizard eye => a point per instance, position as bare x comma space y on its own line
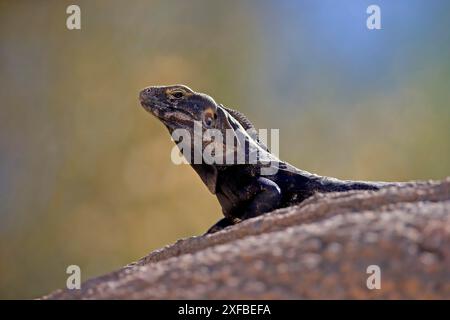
209, 119
177, 94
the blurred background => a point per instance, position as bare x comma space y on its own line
85, 173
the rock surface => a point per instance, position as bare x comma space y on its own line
320, 249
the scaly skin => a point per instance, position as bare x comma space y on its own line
242, 190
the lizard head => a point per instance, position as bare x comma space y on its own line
179, 107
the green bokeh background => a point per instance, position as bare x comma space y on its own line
85, 173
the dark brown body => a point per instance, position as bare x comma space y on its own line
243, 192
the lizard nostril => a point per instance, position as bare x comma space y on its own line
142, 95
145, 93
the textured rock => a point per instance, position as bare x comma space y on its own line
318, 249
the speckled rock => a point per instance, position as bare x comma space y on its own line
320, 249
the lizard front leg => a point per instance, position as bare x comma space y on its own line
222, 224
266, 199
261, 196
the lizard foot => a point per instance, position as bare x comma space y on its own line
221, 224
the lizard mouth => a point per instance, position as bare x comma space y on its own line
148, 101
167, 114
153, 106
